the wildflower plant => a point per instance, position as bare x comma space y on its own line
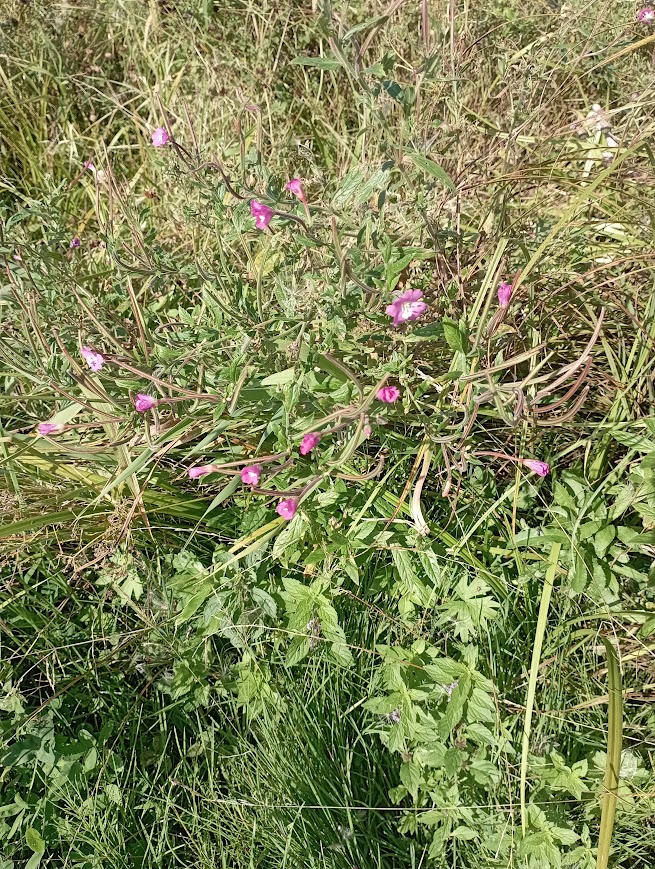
317, 387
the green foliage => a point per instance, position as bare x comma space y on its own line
188, 679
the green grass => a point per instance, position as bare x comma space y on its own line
413, 671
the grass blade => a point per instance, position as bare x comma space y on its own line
613, 764
542, 618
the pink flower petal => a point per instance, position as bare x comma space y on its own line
388, 394
309, 442
50, 428
250, 475
504, 294
200, 471
287, 508
262, 214
406, 307
144, 403
160, 137
94, 360
294, 186
541, 468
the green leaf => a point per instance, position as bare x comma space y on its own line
432, 168
364, 25
293, 532
453, 335
637, 442
318, 62
464, 833
33, 840
603, 540
410, 776
280, 377
35, 843
359, 186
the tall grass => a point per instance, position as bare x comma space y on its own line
411, 672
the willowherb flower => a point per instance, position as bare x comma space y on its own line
250, 475
94, 360
504, 294
388, 394
294, 186
646, 14
199, 470
262, 213
160, 137
75, 242
88, 164
50, 428
309, 442
287, 508
406, 307
541, 468
368, 431
144, 403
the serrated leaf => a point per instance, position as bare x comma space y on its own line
410, 776
603, 540
292, 533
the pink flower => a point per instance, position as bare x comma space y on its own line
144, 402
250, 475
199, 470
262, 214
504, 294
309, 442
88, 164
541, 468
94, 360
646, 14
287, 508
49, 428
368, 431
160, 137
406, 307
294, 186
388, 394
74, 243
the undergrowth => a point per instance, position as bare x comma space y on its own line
327, 439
